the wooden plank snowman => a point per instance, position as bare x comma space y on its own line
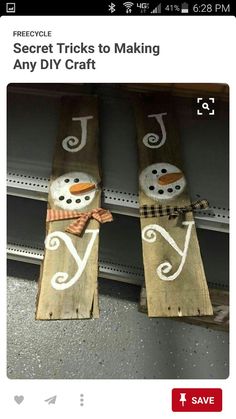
68, 281
174, 274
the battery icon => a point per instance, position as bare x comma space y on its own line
184, 8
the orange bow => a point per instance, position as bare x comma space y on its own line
78, 226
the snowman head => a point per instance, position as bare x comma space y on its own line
73, 191
162, 181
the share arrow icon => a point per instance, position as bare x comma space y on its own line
51, 400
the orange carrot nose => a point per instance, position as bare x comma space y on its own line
79, 188
169, 178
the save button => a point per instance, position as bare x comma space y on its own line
197, 400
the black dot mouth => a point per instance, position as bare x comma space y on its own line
61, 198
160, 191
69, 201
151, 188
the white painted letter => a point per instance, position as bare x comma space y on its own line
152, 140
149, 234
52, 242
71, 143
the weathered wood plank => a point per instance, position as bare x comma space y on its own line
218, 321
174, 274
67, 298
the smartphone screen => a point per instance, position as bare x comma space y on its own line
117, 122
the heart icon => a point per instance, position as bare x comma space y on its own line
19, 399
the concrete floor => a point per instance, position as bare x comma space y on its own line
122, 343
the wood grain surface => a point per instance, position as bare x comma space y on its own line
80, 300
218, 321
187, 295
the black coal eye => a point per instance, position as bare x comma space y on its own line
76, 180
78, 201
151, 188
67, 180
87, 198
163, 170
170, 190
61, 198
177, 187
69, 201
161, 191
154, 172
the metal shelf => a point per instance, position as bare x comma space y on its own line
29, 165
120, 255
107, 270
125, 203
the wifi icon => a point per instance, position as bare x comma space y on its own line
128, 5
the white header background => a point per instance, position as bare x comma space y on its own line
192, 49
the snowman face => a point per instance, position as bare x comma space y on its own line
73, 191
162, 181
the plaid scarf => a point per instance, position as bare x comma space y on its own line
78, 226
147, 211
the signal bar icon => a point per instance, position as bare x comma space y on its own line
128, 5
157, 9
